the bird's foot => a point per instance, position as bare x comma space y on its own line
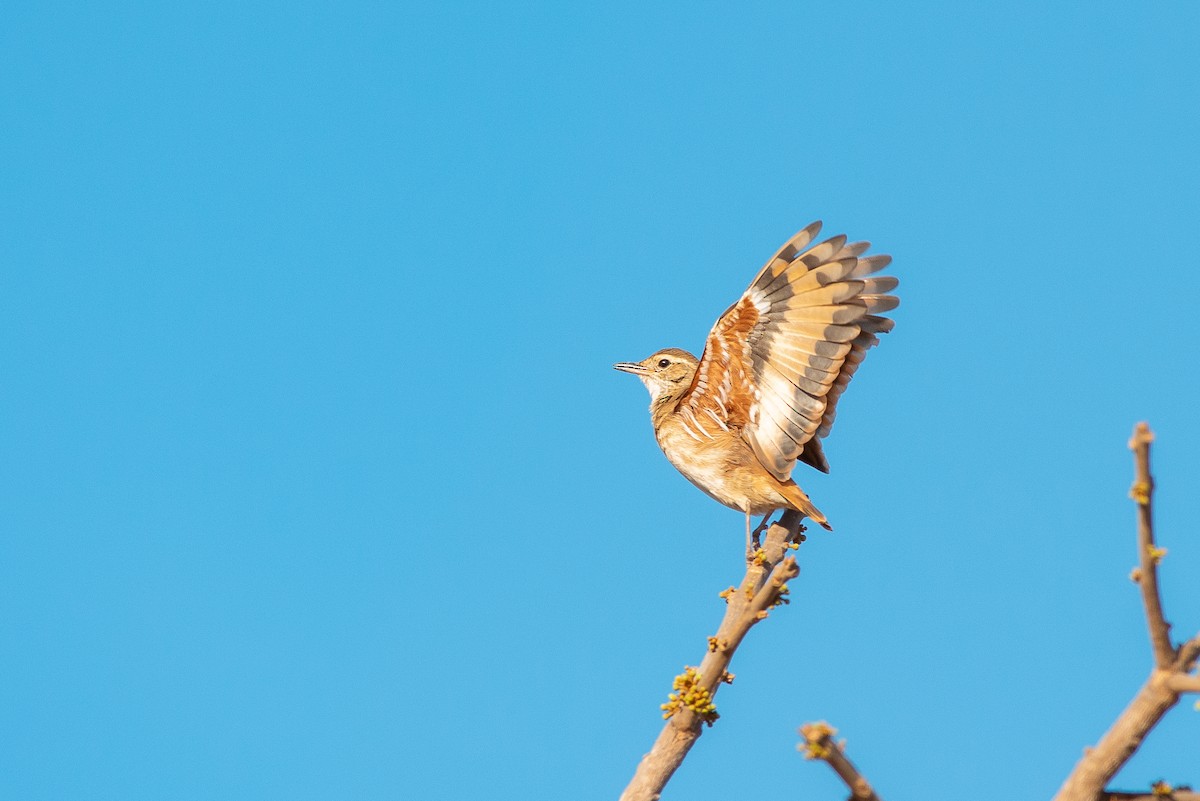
763, 526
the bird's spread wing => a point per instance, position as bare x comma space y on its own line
777, 361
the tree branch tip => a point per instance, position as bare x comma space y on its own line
1142, 435
817, 729
816, 740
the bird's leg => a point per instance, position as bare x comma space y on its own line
751, 540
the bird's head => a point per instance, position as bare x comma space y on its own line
667, 372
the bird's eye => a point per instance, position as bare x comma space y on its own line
663, 363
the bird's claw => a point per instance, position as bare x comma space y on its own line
756, 535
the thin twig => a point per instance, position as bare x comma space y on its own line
1164, 795
819, 744
1171, 668
1149, 554
1189, 653
764, 586
1184, 684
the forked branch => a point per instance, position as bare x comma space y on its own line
1172, 672
690, 707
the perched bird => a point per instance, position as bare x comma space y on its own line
764, 393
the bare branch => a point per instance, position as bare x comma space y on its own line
819, 744
1119, 743
1170, 675
764, 587
1149, 554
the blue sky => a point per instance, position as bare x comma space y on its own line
316, 479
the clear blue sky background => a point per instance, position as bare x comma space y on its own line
316, 481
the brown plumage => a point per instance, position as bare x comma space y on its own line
764, 393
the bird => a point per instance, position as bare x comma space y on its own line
764, 392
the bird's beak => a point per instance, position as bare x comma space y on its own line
631, 367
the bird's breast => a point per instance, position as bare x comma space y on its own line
723, 466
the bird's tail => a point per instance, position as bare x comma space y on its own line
802, 504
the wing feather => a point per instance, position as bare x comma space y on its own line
777, 361
782, 386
